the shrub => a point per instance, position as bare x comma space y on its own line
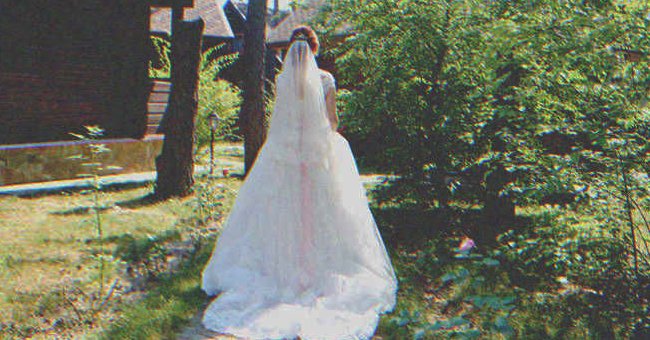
513, 101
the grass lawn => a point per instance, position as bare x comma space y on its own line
50, 259
153, 254
50, 253
49, 249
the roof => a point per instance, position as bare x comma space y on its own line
240, 8
282, 32
302, 15
216, 24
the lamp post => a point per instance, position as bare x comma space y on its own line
214, 121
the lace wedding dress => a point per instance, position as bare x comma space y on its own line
300, 254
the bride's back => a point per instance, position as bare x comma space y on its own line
299, 122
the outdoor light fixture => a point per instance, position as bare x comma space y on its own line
214, 121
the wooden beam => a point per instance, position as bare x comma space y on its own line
172, 3
177, 17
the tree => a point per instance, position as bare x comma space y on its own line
514, 101
175, 164
252, 116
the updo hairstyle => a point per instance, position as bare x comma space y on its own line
306, 33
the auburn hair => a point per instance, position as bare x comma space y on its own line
308, 34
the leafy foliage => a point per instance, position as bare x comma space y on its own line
546, 91
501, 104
587, 269
217, 96
160, 63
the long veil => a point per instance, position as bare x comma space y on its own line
299, 124
300, 253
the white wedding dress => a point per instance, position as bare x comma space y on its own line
300, 254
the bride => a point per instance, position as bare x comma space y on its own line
300, 254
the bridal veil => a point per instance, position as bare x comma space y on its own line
300, 254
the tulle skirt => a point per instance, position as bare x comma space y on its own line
300, 253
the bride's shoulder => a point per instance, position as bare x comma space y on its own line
324, 74
327, 78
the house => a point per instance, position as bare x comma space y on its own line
278, 37
217, 31
224, 25
217, 28
280, 26
227, 25
236, 14
69, 63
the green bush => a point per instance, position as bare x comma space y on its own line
217, 96
539, 103
517, 100
584, 257
222, 98
160, 65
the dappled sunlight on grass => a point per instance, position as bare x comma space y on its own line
48, 244
49, 249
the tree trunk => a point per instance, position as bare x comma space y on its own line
498, 210
175, 164
252, 116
